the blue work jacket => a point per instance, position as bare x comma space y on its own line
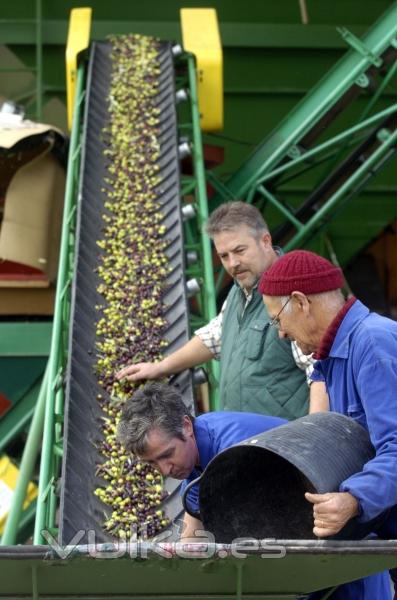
216, 431
361, 379
374, 587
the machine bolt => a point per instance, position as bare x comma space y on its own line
188, 211
177, 50
184, 150
192, 287
383, 134
181, 96
191, 257
362, 81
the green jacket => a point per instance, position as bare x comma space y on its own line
258, 371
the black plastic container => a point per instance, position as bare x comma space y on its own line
256, 488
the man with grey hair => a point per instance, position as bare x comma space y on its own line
259, 372
156, 426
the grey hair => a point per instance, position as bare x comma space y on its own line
229, 216
331, 301
156, 405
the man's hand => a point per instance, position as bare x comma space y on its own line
332, 511
141, 371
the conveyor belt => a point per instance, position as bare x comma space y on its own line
80, 509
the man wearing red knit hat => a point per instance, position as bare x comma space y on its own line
357, 359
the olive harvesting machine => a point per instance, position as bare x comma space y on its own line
174, 96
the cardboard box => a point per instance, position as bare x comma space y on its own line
32, 216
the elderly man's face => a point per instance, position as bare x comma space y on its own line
171, 456
295, 322
244, 256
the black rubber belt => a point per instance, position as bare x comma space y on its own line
80, 510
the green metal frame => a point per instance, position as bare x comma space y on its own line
20, 342
258, 180
18, 417
52, 434
30, 452
276, 570
196, 240
24, 349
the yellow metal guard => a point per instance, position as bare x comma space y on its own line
8, 480
78, 40
200, 34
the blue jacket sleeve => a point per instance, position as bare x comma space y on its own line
192, 498
317, 374
375, 486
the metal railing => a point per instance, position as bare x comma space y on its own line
196, 240
52, 434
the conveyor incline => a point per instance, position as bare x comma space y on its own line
80, 509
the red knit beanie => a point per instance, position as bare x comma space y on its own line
300, 271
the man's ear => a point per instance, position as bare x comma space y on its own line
187, 426
266, 239
301, 300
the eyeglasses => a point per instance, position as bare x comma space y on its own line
275, 322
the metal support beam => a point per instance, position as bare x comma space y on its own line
208, 299
316, 110
357, 178
28, 462
234, 35
45, 506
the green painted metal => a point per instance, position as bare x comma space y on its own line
280, 173
39, 62
361, 48
232, 12
280, 571
16, 420
287, 213
334, 141
18, 375
314, 106
36, 30
54, 401
24, 348
381, 89
270, 58
29, 338
26, 524
207, 295
26, 467
343, 192
255, 35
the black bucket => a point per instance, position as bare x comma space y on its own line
256, 488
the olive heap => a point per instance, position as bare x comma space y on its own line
132, 269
